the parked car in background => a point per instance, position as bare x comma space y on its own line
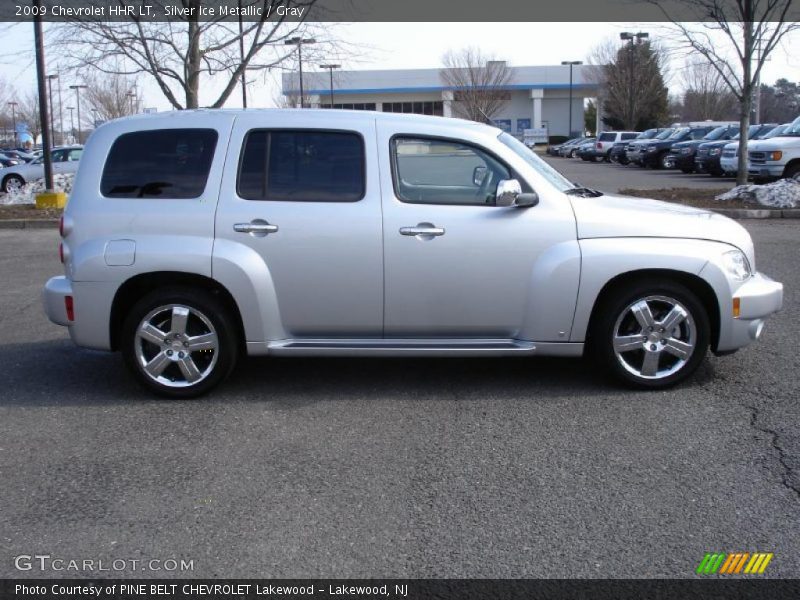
566, 150
355, 233
707, 158
65, 160
606, 140
682, 154
19, 155
583, 151
619, 149
8, 161
657, 152
635, 149
554, 149
729, 157
776, 157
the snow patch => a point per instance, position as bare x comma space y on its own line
62, 182
784, 193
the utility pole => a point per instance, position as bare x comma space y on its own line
571, 64
71, 123
50, 96
60, 109
330, 70
241, 57
40, 80
631, 38
78, 89
299, 41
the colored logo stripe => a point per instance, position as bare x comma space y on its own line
733, 563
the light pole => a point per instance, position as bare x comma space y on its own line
299, 41
627, 36
13, 106
241, 57
132, 95
77, 89
571, 64
50, 97
330, 70
94, 118
71, 123
60, 112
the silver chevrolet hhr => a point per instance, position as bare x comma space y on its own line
194, 237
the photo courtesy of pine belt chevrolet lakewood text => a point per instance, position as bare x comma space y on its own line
195, 237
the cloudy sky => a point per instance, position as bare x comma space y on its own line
420, 45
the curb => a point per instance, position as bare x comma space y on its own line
28, 223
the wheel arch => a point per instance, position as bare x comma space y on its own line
135, 288
792, 165
694, 283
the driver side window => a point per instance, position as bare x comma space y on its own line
435, 171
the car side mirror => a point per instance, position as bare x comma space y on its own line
509, 193
479, 174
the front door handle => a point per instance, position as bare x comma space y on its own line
423, 230
256, 228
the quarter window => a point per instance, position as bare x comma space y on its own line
302, 165
434, 171
160, 163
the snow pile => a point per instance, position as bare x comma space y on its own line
62, 182
784, 193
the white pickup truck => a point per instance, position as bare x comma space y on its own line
776, 157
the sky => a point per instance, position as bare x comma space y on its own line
421, 45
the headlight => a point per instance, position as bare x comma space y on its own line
736, 264
651, 148
774, 155
713, 152
686, 150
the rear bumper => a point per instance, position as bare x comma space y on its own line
758, 298
54, 297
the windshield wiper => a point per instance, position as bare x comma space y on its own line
583, 192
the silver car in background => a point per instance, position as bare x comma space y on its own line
192, 238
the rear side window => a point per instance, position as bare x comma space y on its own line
607, 137
629, 136
302, 166
160, 163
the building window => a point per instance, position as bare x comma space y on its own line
356, 106
418, 108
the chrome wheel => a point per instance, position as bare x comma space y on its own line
176, 346
13, 184
654, 337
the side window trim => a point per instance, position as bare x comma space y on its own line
421, 136
268, 148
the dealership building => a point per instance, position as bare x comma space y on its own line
537, 97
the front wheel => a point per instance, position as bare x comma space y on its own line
179, 342
13, 183
793, 172
652, 334
664, 161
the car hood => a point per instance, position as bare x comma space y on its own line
776, 143
625, 216
715, 144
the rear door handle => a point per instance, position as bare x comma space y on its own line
256, 228
423, 229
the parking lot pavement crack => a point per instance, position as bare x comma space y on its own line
788, 475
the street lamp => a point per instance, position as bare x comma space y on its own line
13, 106
132, 95
71, 123
77, 89
50, 97
627, 36
571, 64
330, 70
299, 41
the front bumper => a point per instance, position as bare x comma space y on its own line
772, 171
759, 297
708, 164
729, 164
54, 296
682, 161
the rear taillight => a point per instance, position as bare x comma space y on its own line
70, 307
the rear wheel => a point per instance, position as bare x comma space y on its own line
652, 334
179, 342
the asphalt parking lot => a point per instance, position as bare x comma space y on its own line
400, 467
612, 177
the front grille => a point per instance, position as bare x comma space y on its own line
758, 155
730, 153
702, 152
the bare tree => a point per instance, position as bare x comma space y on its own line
112, 96
28, 113
479, 83
735, 37
706, 95
177, 54
631, 80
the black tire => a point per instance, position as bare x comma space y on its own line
687, 170
215, 366
792, 172
613, 313
572, 153
663, 163
11, 180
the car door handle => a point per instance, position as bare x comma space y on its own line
424, 230
258, 228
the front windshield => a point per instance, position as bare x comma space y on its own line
541, 167
793, 129
665, 134
778, 131
715, 134
680, 132
646, 135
